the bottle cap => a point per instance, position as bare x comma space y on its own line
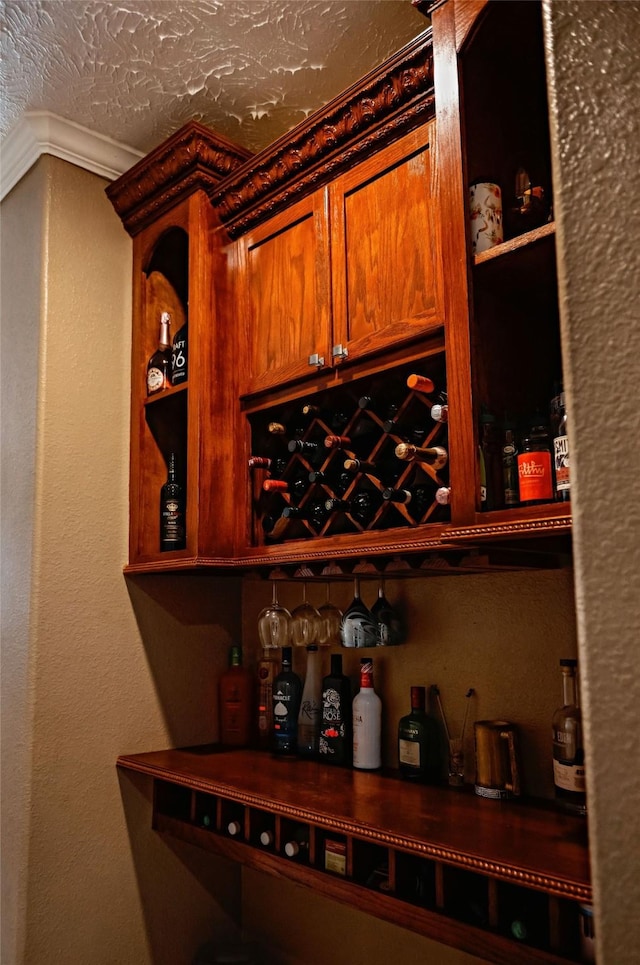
312, 647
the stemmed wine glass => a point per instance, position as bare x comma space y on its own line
389, 627
274, 624
330, 621
358, 628
305, 622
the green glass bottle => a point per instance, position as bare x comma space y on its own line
419, 742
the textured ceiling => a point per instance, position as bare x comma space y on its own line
136, 71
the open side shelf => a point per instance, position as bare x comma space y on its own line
443, 863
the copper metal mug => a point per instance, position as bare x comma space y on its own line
497, 765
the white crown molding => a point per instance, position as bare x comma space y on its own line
40, 132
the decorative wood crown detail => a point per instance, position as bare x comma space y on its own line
387, 102
192, 158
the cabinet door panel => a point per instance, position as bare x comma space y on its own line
286, 289
385, 252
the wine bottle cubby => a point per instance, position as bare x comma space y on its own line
327, 464
504, 880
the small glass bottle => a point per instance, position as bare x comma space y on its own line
418, 742
561, 474
286, 695
235, 702
172, 511
310, 705
335, 744
180, 356
159, 365
509, 465
568, 752
367, 721
535, 480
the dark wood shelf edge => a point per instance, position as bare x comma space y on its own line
558, 884
423, 921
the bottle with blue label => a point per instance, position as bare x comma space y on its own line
286, 698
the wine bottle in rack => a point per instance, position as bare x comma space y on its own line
362, 506
334, 419
180, 356
296, 487
159, 365
172, 510
417, 499
338, 481
440, 412
434, 456
420, 383
313, 452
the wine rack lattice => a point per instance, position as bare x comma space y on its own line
332, 459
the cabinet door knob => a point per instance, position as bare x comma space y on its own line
317, 360
339, 352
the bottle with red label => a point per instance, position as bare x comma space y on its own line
535, 472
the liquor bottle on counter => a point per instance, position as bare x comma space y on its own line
235, 702
335, 744
159, 365
286, 694
310, 705
560, 448
367, 721
419, 742
568, 752
180, 356
434, 456
267, 669
535, 479
172, 511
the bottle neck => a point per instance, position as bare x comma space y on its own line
171, 477
336, 664
569, 690
165, 326
366, 676
417, 699
235, 657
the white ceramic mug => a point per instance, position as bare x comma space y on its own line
485, 212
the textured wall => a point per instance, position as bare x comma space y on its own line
94, 667
595, 90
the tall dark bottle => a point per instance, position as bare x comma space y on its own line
180, 356
286, 695
418, 742
336, 739
568, 751
172, 511
159, 365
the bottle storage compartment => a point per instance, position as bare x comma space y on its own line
206, 811
297, 841
523, 914
329, 465
373, 866
232, 819
172, 801
262, 831
466, 896
416, 880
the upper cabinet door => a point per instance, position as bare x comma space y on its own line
386, 264
286, 295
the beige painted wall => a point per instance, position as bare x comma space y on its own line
92, 667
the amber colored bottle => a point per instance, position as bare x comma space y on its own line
236, 702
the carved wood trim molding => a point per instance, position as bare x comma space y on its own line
388, 102
193, 158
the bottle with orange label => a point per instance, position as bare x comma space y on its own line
535, 472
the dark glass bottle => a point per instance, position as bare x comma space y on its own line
490, 462
334, 419
418, 742
336, 740
286, 696
568, 752
337, 481
159, 365
561, 475
417, 499
172, 511
510, 465
180, 356
390, 631
312, 451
